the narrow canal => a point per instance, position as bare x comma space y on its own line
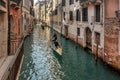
40, 63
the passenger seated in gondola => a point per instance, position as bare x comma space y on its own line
56, 44
54, 39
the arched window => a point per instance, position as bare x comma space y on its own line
77, 15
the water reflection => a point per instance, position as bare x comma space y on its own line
78, 64
39, 63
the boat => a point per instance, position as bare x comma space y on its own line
56, 50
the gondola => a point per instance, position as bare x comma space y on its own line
56, 50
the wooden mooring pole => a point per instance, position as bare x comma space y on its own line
96, 56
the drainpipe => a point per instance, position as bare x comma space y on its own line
119, 35
8, 6
52, 15
57, 7
103, 9
61, 17
45, 11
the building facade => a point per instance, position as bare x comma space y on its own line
92, 24
37, 11
28, 16
112, 32
11, 39
3, 28
16, 30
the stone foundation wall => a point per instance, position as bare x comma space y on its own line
73, 38
111, 42
111, 36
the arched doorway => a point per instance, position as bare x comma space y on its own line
66, 31
88, 38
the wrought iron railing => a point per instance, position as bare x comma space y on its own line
82, 1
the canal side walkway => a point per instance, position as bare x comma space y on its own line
8, 64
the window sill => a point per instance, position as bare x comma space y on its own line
98, 23
85, 22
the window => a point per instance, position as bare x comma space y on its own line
77, 15
71, 15
97, 7
78, 31
64, 15
63, 2
85, 14
71, 1
97, 38
55, 12
19, 26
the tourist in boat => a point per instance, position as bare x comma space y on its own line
54, 39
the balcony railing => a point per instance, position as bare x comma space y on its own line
2, 3
82, 1
86, 2
16, 1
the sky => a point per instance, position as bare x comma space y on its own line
36, 1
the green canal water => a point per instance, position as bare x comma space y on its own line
40, 63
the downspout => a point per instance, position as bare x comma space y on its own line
57, 7
103, 28
119, 34
52, 15
61, 18
39, 12
22, 36
9, 49
45, 11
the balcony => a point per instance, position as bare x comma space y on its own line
16, 1
2, 3
83, 1
86, 2
3, 8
